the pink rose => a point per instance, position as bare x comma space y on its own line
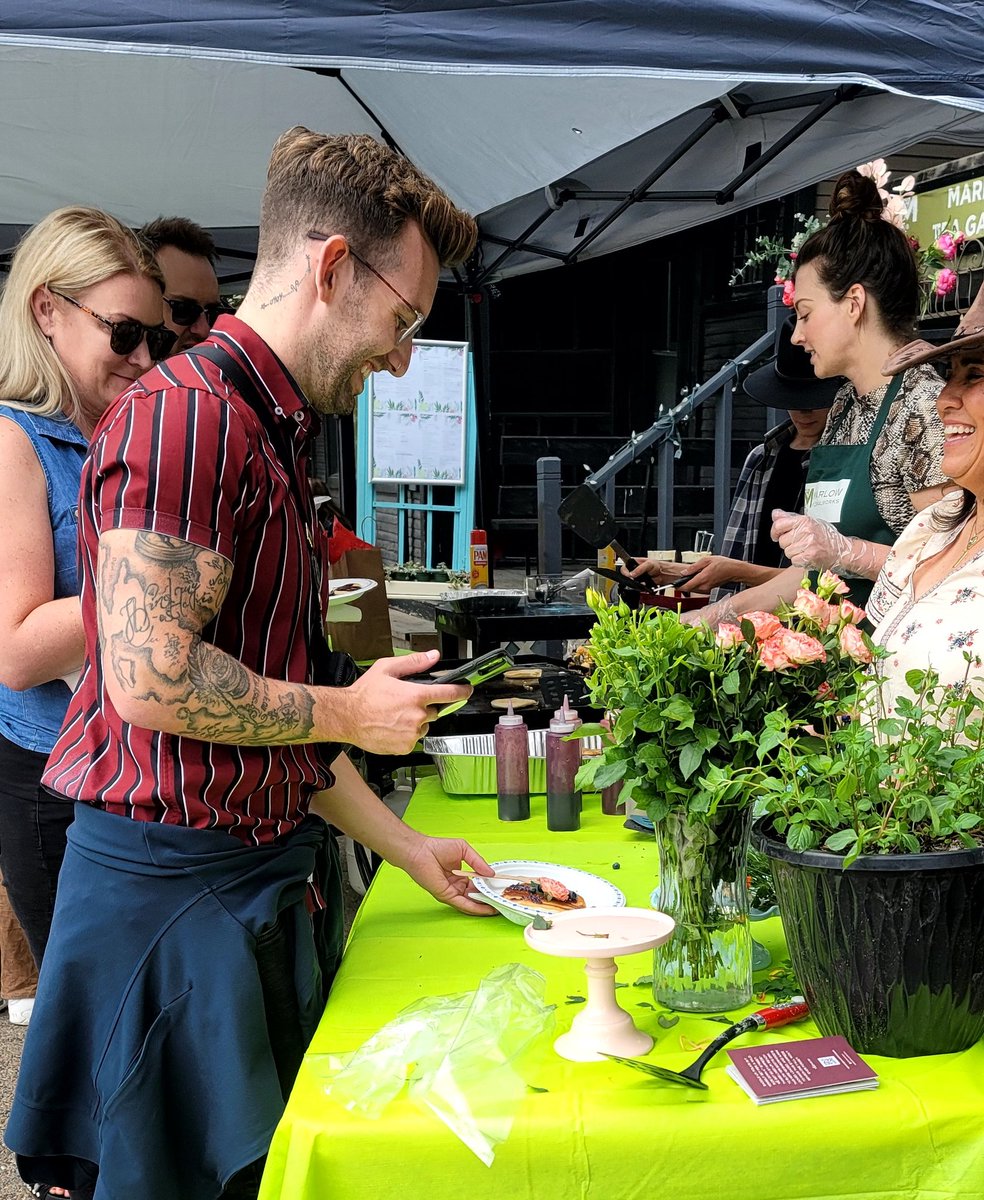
946, 281
851, 613
818, 612
946, 245
765, 624
800, 648
728, 635
771, 656
832, 584
852, 644
788, 293
959, 238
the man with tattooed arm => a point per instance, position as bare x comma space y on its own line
190, 950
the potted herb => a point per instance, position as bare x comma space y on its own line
876, 839
689, 709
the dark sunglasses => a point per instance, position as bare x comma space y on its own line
126, 336
187, 312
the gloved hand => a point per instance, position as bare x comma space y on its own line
713, 614
815, 544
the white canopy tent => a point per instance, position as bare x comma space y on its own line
572, 129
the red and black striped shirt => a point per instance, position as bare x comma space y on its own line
181, 453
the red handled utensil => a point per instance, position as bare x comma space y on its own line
765, 1018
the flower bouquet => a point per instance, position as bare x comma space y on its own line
691, 712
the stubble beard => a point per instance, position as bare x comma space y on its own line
329, 379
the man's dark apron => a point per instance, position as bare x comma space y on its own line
838, 489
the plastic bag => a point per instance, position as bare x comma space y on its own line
462, 1054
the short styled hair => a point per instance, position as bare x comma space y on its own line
353, 185
180, 233
70, 250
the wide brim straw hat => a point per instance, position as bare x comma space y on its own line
969, 335
788, 379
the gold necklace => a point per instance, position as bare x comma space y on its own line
971, 543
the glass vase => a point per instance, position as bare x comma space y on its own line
706, 966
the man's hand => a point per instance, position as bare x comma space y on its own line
429, 862
387, 715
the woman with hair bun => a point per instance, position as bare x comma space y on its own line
879, 459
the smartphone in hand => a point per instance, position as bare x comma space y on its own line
476, 671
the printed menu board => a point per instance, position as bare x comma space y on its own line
417, 422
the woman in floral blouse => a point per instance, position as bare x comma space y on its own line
928, 602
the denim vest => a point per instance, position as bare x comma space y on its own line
33, 718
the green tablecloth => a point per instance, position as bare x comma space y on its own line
600, 1130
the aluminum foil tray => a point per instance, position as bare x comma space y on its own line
466, 764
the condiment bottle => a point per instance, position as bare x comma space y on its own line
512, 767
569, 716
479, 558
611, 805
563, 759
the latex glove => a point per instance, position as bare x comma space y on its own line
713, 614
815, 544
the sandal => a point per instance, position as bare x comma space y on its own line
44, 1191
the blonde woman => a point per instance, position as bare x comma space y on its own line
82, 318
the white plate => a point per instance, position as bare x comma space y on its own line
597, 892
335, 597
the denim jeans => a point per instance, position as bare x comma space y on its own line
33, 825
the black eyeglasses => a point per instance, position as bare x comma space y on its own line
126, 336
187, 312
418, 316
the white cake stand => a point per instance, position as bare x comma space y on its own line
600, 935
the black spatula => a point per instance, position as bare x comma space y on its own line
765, 1018
584, 511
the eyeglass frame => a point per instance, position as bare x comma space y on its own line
418, 316
220, 310
161, 330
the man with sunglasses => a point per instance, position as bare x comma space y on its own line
186, 254
189, 956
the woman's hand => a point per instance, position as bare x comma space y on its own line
429, 862
807, 541
659, 570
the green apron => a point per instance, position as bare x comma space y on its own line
838, 489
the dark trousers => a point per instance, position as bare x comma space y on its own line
33, 827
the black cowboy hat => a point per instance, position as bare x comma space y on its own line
788, 380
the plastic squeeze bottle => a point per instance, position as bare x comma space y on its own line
563, 760
512, 767
569, 716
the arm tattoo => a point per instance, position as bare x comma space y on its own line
155, 599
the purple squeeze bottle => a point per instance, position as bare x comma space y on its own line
512, 767
563, 760
569, 716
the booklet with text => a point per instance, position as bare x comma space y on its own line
792, 1070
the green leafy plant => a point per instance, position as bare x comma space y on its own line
691, 707
907, 782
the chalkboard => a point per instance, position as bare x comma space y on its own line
417, 423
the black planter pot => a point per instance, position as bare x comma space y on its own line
890, 952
